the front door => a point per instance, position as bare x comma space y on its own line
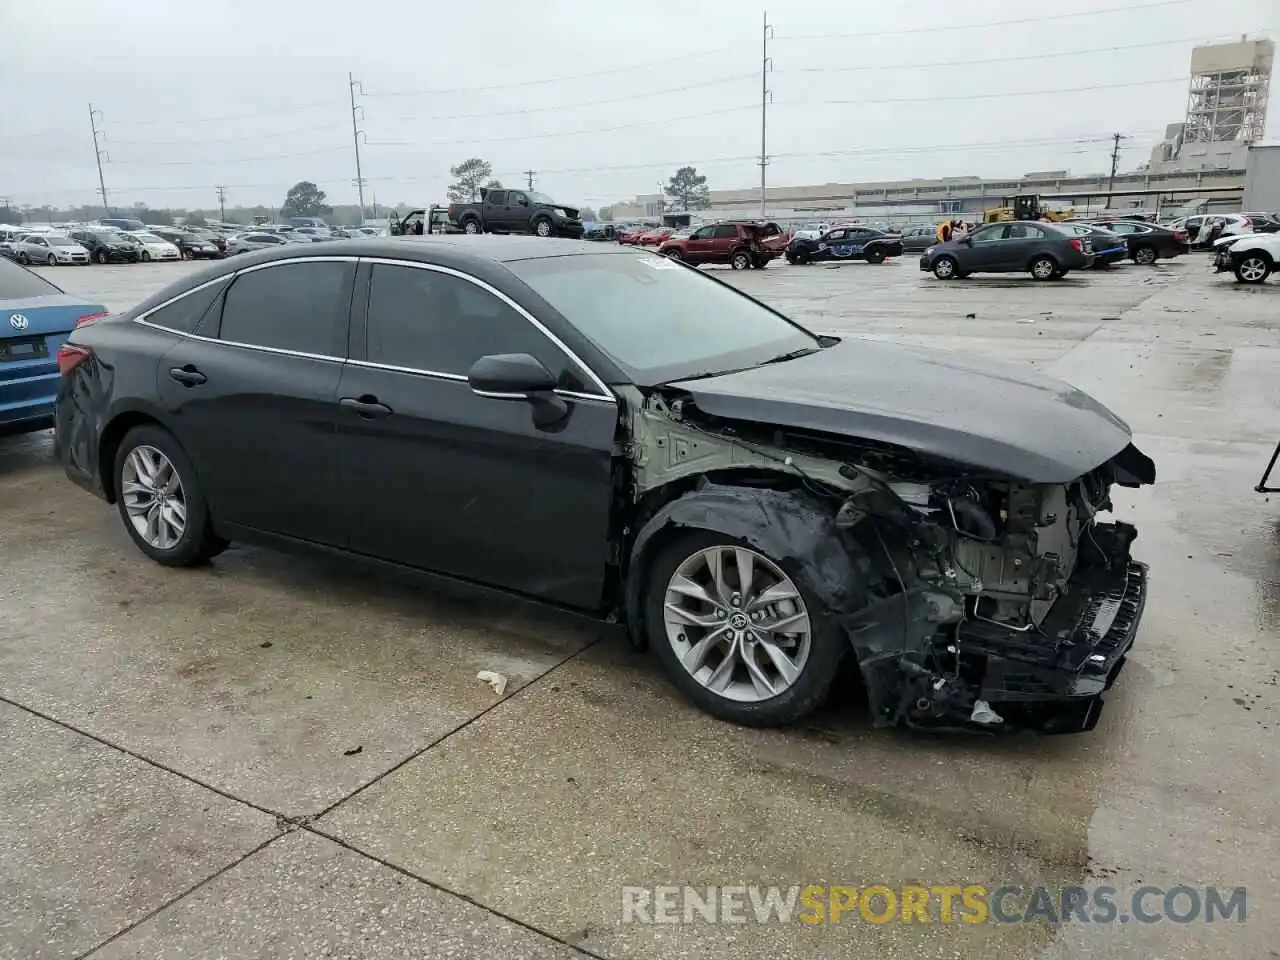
985, 249
518, 211
252, 395
698, 246
443, 479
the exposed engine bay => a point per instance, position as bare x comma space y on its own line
972, 600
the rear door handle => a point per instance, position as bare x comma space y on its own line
366, 406
187, 375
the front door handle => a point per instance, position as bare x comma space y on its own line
187, 375
366, 406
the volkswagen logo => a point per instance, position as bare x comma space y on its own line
18, 321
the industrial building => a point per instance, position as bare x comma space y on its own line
1202, 164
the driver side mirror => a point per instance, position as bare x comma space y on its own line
518, 376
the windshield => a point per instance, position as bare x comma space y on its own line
149, 238
60, 240
659, 320
541, 198
17, 283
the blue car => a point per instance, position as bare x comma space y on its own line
35, 319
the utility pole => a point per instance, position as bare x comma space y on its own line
98, 154
352, 83
530, 174
765, 66
1115, 163
222, 204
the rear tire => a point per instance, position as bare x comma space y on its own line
875, 256
196, 543
1044, 268
471, 225
740, 260
1145, 256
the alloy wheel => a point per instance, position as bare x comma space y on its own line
52, 261
1145, 256
1253, 270
944, 268
542, 228
153, 497
1043, 269
737, 623
740, 261
471, 227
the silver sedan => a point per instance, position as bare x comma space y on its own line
253, 240
51, 248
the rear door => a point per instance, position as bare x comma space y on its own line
251, 392
1021, 242
497, 215
447, 480
725, 238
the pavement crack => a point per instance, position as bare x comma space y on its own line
466, 898
458, 729
182, 896
145, 759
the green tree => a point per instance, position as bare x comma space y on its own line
468, 176
304, 199
196, 219
689, 189
10, 215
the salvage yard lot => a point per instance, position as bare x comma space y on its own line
283, 756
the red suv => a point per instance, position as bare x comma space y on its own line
741, 245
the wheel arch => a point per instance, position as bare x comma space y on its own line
783, 520
113, 434
1040, 255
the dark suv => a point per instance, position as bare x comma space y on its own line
1046, 250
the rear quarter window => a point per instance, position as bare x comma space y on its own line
18, 283
186, 314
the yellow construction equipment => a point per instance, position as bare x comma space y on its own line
1025, 206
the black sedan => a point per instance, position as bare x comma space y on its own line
1108, 247
605, 430
1045, 250
1148, 242
108, 246
845, 243
192, 246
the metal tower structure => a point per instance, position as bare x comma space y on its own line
1228, 96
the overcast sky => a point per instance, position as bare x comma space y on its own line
603, 98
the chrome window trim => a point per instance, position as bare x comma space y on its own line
604, 393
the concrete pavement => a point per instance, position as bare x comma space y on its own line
280, 756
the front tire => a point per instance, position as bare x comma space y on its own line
741, 637
102, 257
740, 260
146, 256
542, 227
1252, 268
24, 259
1044, 268
52, 260
160, 501
944, 268
674, 254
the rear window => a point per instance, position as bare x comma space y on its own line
18, 283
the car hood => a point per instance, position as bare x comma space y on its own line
997, 417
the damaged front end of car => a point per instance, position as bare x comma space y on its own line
973, 600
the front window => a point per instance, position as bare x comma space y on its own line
660, 320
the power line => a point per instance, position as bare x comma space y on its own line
173, 121
736, 78
436, 91
867, 68
212, 140
218, 161
944, 28
985, 96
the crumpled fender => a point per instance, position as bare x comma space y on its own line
796, 529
